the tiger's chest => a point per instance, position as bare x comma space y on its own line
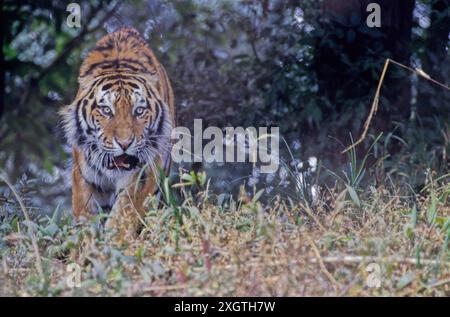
106, 186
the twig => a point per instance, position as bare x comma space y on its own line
395, 259
438, 283
421, 73
320, 261
345, 259
373, 109
376, 99
71, 45
164, 288
314, 217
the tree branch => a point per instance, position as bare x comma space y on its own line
73, 43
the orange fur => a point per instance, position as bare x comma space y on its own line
120, 75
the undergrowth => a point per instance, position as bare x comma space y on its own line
356, 238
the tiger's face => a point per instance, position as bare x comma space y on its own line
127, 123
121, 126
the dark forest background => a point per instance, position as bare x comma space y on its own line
310, 67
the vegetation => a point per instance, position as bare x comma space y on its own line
322, 225
216, 246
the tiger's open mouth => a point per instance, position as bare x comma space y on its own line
124, 161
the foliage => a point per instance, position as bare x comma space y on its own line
232, 63
205, 245
290, 64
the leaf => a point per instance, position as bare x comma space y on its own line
414, 216
409, 231
201, 177
51, 229
221, 199
9, 52
353, 195
257, 196
188, 177
15, 224
55, 216
139, 254
432, 211
405, 280
31, 225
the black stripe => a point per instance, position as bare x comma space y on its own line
161, 121
81, 137
129, 83
149, 59
107, 86
148, 88
107, 47
116, 63
127, 65
84, 113
91, 68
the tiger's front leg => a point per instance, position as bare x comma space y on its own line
128, 210
82, 191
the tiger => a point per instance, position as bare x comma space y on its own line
118, 127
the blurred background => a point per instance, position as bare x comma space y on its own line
309, 67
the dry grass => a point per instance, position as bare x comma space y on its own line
248, 248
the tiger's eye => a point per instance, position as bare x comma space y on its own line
139, 111
106, 110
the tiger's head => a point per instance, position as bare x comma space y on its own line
119, 119
120, 125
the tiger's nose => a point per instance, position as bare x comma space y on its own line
124, 144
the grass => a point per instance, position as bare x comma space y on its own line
205, 246
359, 237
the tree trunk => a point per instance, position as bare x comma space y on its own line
350, 56
434, 100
